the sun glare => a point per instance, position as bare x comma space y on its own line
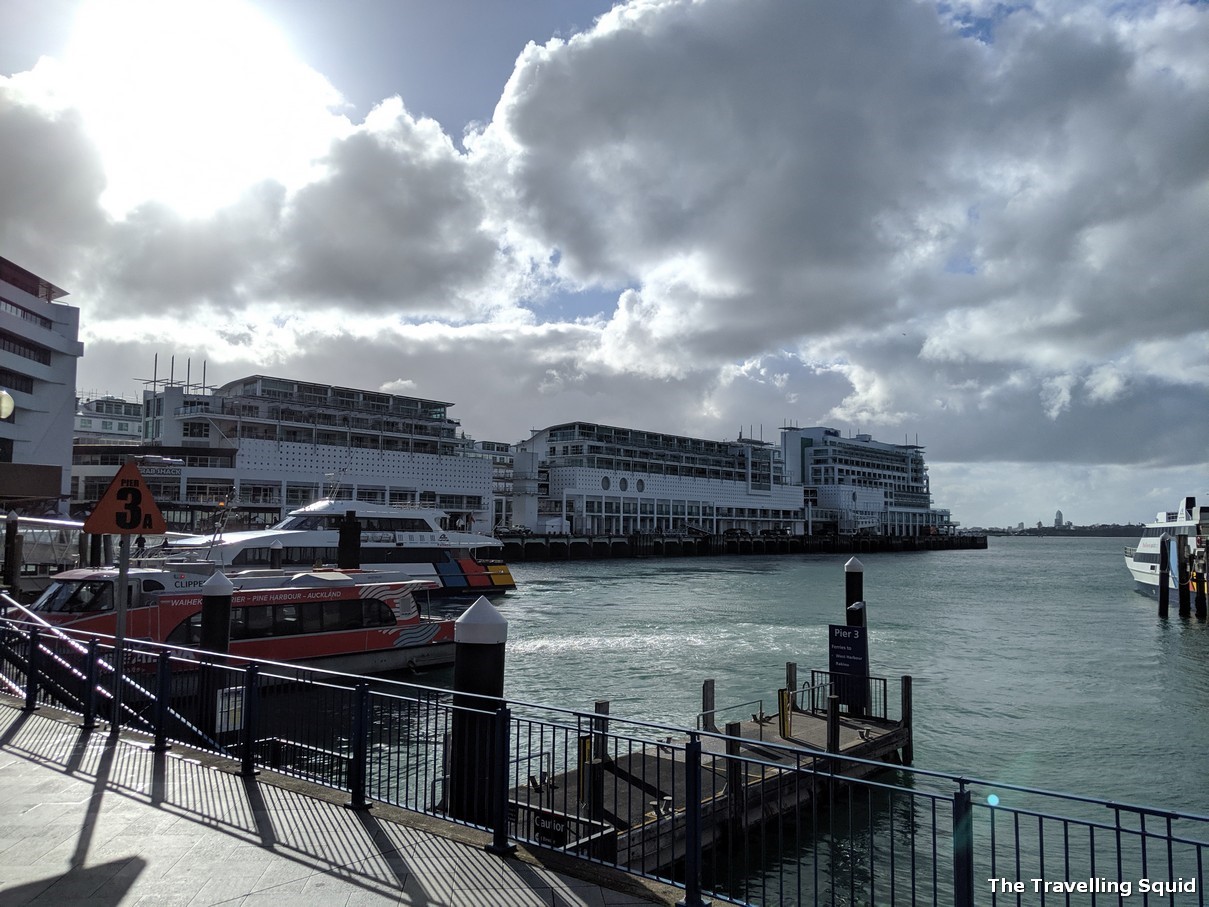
192, 101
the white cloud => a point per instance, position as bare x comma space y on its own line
985, 232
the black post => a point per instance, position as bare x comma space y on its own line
1200, 582
275, 550
480, 636
94, 550
31, 671
90, 686
963, 848
499, 785
163, 695
1181, 573
251, 719
358, 774
1164, 571
735, 801
692, 824
216, 613
348, 546
12, 560
908, 752
854, 614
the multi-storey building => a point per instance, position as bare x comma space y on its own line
261, 445
39, 349
586, 478
108, 420
853, 485
501, 457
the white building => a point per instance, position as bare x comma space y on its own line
261, 445
856, 484
592, 479
39, 350
108, 420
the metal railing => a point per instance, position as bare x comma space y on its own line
733, 820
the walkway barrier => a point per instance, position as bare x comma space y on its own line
727, 819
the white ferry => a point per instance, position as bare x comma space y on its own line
405, 543
1188, 521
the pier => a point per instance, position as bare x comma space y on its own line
561, 547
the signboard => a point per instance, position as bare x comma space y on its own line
126, 507
848, 654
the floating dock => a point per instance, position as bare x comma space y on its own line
629, 806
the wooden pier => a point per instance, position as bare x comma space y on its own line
627, 800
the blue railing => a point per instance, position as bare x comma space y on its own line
728, 819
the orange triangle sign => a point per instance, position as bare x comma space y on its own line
126, 507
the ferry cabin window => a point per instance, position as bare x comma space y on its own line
76, 598
266, 621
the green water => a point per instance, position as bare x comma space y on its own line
1034, 661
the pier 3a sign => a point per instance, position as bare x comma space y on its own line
126, 507
848, 662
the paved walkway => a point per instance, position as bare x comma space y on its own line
93, 819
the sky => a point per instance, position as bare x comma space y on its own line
982, 227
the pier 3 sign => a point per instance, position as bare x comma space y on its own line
848, 654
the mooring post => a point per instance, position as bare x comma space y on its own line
854, 582
95, 553
348, 542
217, 592
707, 706
791, 684
600, 724
1181, 573
1199, 600
735, 801
1164, 571
833, 723
275, 551
908, 751
480, 636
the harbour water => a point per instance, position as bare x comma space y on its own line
1035, 662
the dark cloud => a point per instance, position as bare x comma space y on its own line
392, 227
50, 181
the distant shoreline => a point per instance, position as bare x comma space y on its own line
1130, 531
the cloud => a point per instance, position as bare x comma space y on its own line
979, 224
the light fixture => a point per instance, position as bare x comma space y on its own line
7, 405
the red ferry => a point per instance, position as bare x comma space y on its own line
341, 621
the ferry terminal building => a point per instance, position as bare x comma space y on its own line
261, 446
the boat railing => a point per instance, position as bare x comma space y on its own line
687, 807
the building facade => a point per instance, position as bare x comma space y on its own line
591, 479
264, 445
108, 420
858, 485
39, 351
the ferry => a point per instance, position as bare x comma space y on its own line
407, 543
1187, 521
348, 621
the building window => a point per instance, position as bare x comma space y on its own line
623, 484
605, 483
640, 485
